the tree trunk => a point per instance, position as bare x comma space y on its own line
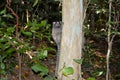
71, 42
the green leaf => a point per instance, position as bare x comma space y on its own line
4, 24
91, 78
43, 54
97, 73
3, 39
40, 68
48, 26
94, 1
8, 16
29, 24
2, 66
10, 51
86, 30
79, 61
23, 49
117, 75
7, 45
119, 1
2, 71
33, 29
116, 32
11, 29
48, 78
43, 23
35, 3
27, 33
4, 79
3, 11
56, 0
108, 23
67, 71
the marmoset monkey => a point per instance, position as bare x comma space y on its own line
57, 34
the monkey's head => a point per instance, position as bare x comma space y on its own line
57, 24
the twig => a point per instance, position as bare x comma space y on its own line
110, 40
86, 4
16, 16
18, 54
16, 32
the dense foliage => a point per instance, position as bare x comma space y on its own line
25, 30
96, 34
25, 38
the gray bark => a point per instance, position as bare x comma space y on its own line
71, 42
